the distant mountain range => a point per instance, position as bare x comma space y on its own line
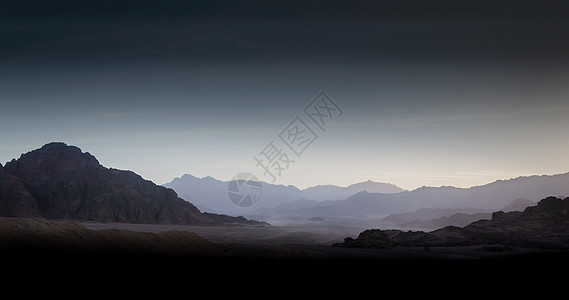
61, 182
370, 198
432, 218
333, 192
210, 194
490, 197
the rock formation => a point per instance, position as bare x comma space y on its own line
545, 225
61, 182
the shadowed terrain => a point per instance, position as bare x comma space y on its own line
544, 226
41, 236
59, 181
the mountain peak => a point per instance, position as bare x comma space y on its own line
187, 177
55, 155
59, 181
56, 144
58, 147
210, 179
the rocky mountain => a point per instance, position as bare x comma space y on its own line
210, 194
492, 197
333, 192
545, 225
427, 214
518, 205
432, 218
15, 200
59, 181
458, 219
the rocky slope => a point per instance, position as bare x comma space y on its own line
458, 219
15, 200
543, 226
61, 182
43, 236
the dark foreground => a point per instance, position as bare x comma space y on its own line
36, 251
253, 269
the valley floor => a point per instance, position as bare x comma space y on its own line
294, 242
313, 241
250, 256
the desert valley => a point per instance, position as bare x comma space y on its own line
263, 147
58, 199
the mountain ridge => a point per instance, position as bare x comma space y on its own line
492, 196
211, 194
58, 181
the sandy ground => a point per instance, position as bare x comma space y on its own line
302, 240
307, 233
313, 240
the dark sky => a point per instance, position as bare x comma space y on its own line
118, 31
434, 92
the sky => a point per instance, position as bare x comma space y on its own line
432, 92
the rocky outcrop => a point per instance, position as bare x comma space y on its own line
61, 182
15, 200
458, 219
371, 238
543, 226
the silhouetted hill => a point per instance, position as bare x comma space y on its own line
458, 219
426, 214
15, 200
333, 192
493, 196
211, 194
61, 182
432, 218
518, 205
545, 225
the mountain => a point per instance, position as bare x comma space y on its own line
59, 181
427, 214
518, 205
333, 192
493, 196
15, 200
431, 218
211, 194
545, 225
458, 219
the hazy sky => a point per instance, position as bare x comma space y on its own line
432, 92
